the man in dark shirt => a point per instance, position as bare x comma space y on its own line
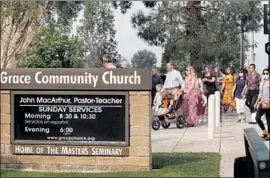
251, 90
156, 79
209, 82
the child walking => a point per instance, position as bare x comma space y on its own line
158, 99
201, 105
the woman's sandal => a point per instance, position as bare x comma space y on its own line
267, 138
264, 136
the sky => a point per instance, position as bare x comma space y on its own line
129, 43
126, 36
261, 58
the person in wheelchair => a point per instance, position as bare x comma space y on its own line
174, 109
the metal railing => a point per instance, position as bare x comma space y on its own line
256, 163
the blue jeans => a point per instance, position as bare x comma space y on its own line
259, 114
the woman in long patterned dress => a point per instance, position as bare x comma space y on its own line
189, 105
227, 89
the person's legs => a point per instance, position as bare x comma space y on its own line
253, 101
238, 108
237, 105
206, 106
252, 108
193, 109
259, 114
267, 115
230, 109
185, 108
242, 105
242, 109
248, 100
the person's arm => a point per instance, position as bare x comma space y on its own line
245, 89
234, 87
155, 99
165, 84
212, 80
201, 85
257, 102
204, 79
180, 79
183, 88
259, 96
223, 85
234, 84
204, 100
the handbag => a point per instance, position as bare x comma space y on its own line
265, 102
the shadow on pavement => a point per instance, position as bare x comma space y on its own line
163, 139
164, 159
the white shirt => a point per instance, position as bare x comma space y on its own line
173, 80
157, 101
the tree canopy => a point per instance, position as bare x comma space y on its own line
53, 49
97, 31
200, 31
144, 59
190, 32
20, 20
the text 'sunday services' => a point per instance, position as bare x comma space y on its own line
87, 78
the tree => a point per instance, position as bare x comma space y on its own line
18, 23
174, 55
20, 20
125, 5
144, 59
122, 62
53, 49
204, 31
98, 32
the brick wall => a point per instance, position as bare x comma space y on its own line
139, 158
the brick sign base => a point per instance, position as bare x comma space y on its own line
136, 157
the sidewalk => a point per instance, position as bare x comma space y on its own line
228, 141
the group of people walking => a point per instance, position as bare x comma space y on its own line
192, 88
244, 88
240, 89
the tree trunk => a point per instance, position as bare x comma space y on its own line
17, 36
194, 23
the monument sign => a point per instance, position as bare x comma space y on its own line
76, 113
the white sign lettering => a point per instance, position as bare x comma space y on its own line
87, 78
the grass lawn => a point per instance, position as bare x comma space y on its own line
168, 164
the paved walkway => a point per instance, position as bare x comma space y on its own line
228, 141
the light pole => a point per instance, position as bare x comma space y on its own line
266, 17
268, 32
252, 49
